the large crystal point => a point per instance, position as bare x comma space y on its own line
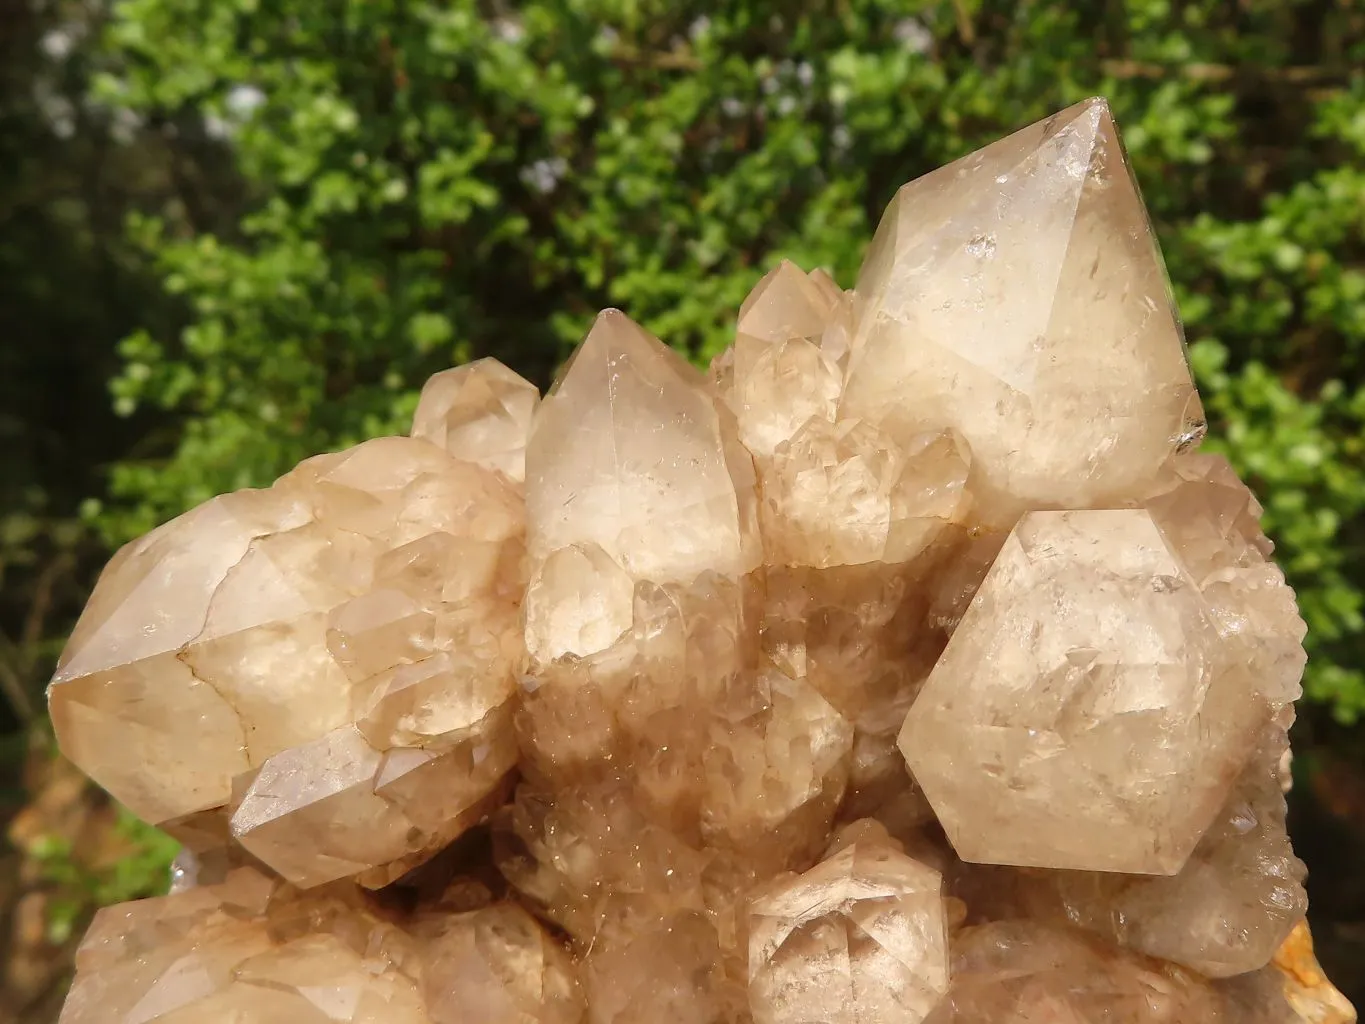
860, 937
252, 633
1018, 297
120, 685
1083, 714
632, 453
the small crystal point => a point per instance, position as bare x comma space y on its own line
860, 937
786, 303
480, 412
1018, 297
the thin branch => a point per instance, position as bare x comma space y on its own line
14, 690
1295, 76
673, 60
42, 602
965, 28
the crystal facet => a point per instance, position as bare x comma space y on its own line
1090, 693
859, 937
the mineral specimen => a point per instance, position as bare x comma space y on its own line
911, 666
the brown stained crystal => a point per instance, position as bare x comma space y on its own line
913, 665
495, 964
1023, 972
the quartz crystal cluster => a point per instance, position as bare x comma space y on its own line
914, 665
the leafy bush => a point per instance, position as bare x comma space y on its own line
425, 182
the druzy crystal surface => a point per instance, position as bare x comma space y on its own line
912, 665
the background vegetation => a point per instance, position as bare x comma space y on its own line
237, 232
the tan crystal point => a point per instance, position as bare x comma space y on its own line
843, 494
120, 686
579, 603
1212, 522
496, 965
229, 953
861, 937
1018, 297
573, 850
631, 452
778, 377
480, 412
338, 807
786, 303
1082, 715
668, 971
775, 778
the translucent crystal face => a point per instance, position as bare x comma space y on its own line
1018, 297
910, 666
1081, 715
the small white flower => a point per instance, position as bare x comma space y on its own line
56, 43
509, 30
913, 35
544, 175
243, 100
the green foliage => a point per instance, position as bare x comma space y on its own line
428, 181
77, 888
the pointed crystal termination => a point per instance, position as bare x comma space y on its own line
120, 685
480, 411
1018, 297
632, 453
1089, 693
859, 937
495, 964
778, 377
